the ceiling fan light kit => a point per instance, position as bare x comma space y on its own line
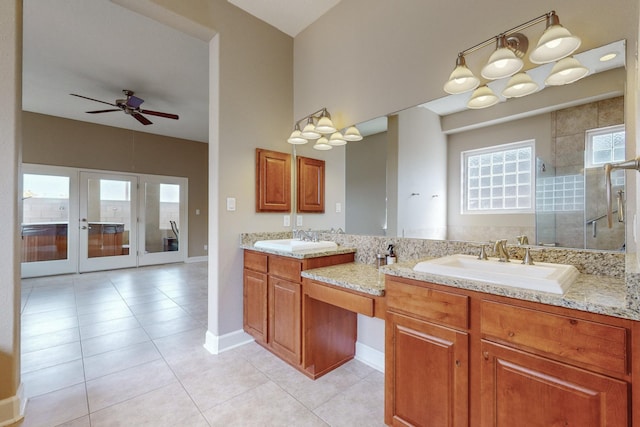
131, 106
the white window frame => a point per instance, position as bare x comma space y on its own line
590, 134
464, 155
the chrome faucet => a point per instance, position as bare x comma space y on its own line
522, 240
500, 249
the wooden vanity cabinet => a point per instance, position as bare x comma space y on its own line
514, 362
427, 357
272, 295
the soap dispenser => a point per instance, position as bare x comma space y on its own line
391, 255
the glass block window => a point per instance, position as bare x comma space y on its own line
498, 179
605, 145
560, 194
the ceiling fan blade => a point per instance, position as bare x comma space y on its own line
160, 114
134, 102
142, 119
102, 111
92, 99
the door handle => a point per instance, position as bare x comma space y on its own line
84, 227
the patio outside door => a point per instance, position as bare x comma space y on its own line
108, 221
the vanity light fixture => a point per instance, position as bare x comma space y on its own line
608, 56
555, 44
318, 127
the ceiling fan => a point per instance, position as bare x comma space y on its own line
130, 106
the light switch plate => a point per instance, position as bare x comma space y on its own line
231, 203
298, 220
338, 207
287, 221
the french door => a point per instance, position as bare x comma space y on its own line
108, 221
77, 221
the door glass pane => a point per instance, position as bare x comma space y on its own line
108, 217
162, 217
45, 217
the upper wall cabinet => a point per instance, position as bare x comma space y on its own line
273, 181
310, 185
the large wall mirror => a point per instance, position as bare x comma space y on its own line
405, 179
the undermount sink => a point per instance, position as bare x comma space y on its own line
296, 245
542, 276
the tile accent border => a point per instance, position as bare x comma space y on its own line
12, 408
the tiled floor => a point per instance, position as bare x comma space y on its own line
125, 348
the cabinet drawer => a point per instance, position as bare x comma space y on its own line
579, 340
286, 268
255, 261
339, 298
442, 307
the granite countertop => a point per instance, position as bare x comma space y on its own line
592, 293
354, 276
301, 254
596, 294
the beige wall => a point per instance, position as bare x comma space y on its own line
63, 142
10, 107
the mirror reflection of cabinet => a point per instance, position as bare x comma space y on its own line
310, 185
273, 181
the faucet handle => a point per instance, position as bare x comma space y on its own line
483, 252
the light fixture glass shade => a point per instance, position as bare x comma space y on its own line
461, 79
555, 43
337, 139
325, 125
482, 97
502, 63
296, 138
352, 134
565, 71
309, 130
519, 85
322, 144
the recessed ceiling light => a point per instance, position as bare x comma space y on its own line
608, 57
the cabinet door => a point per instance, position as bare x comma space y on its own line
285, 303
310, 185
255, 305
427, 374
273, 181
519, 389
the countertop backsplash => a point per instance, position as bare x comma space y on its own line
407, 249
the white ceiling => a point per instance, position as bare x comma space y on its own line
97, 48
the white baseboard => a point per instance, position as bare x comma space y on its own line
12, 408
217, 344
370, 356
197, 259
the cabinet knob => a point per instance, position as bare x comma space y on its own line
511, 334
485, 354
458, 363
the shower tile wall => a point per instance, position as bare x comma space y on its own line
569, 127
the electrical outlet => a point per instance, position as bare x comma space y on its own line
206, 247
197, 211
287, 221
298, 220
338, 207
231, 203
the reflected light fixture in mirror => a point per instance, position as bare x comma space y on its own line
565, 71
482, 97
555, 44
319, 124
322, 144
520, 84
